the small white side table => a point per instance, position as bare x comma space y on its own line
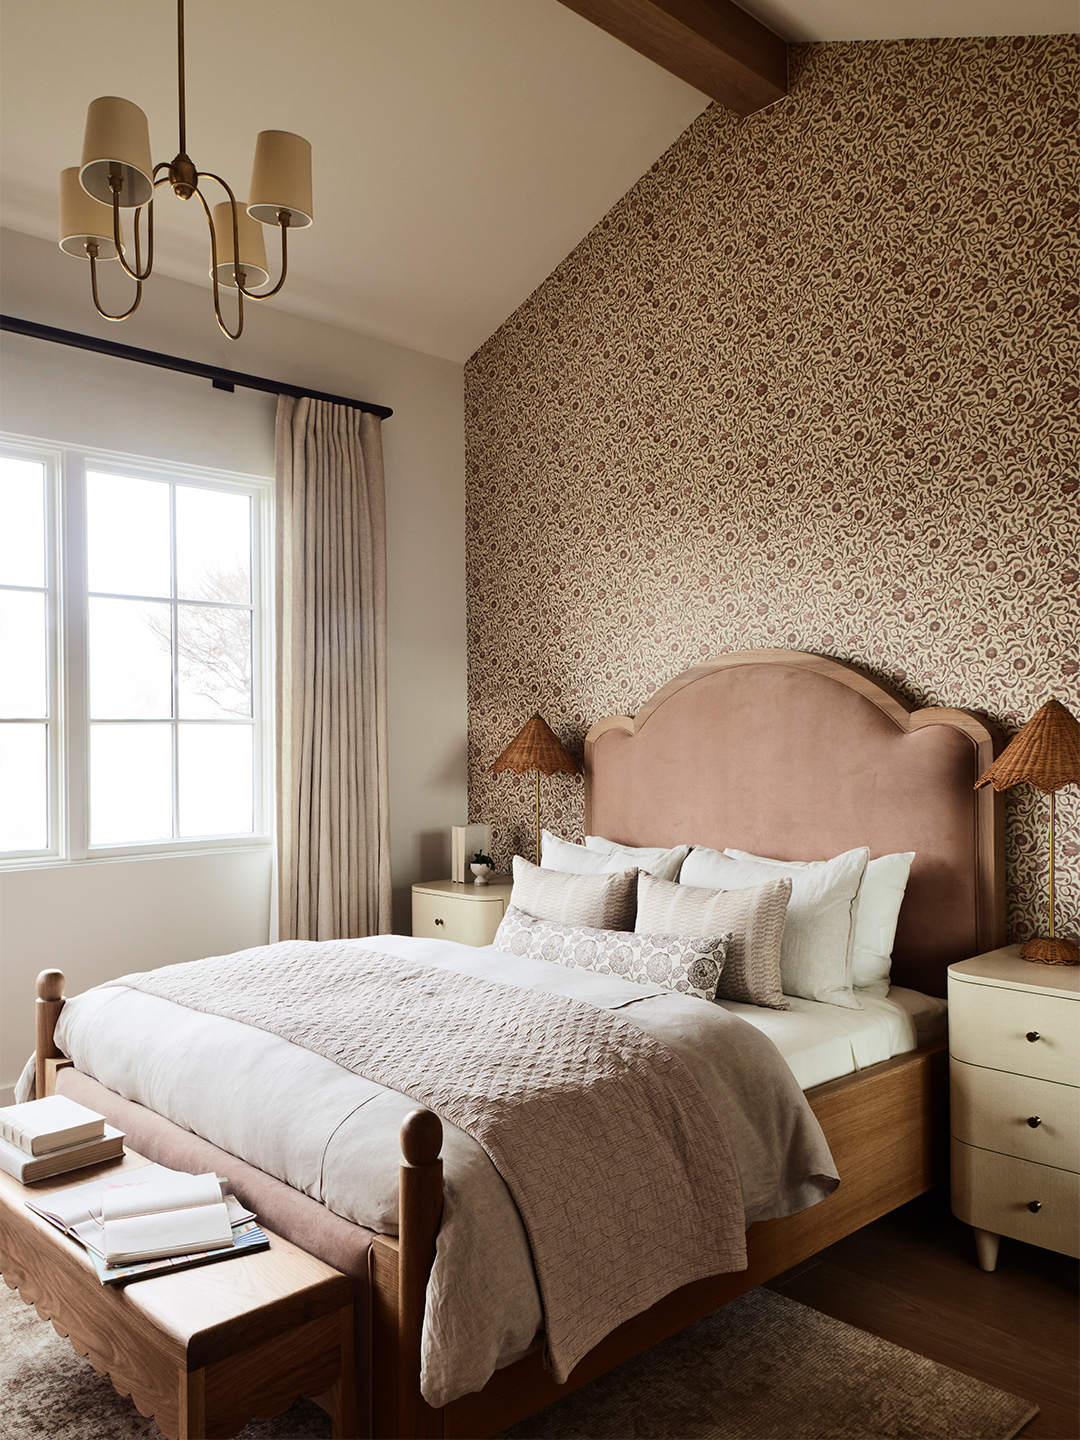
469, 914
1014, 1070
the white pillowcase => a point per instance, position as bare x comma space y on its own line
819, 932
664, 864
603, 857
880, 897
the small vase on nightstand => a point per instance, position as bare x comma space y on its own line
480, 873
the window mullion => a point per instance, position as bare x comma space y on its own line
175, 615
74, 667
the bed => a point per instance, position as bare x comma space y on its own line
777, 753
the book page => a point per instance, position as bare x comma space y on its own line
68, 1207
144, 1237
171, 1191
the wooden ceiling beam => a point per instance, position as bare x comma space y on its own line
711, 44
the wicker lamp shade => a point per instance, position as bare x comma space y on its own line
1046, 754
536, 747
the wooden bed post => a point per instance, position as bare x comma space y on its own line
50, 1001
420, 1210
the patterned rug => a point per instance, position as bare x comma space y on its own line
762, 1368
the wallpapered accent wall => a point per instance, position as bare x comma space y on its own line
811, 384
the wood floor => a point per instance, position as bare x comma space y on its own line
911, 1278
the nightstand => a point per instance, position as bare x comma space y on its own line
1014, 1070
469, 914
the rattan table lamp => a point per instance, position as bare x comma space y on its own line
536, 747
1046, 754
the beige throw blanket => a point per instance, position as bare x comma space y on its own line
617, 1164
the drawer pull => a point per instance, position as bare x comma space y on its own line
1034, 1206
1033, 1035
439, 922
1034, 1121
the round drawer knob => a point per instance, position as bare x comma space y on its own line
1034, 1121
440, 922
1034, 1206
1033, 1035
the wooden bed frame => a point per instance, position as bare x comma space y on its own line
886, 1125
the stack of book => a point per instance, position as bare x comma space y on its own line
47, 1137
153, 1220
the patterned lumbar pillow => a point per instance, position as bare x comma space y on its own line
603, 901
692, 966
755, 916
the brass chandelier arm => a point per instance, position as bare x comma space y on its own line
116, 184
214, 266
284, 217
283, 225
92, 255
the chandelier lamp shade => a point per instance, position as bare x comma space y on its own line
117, 173
1045, 754
536, 747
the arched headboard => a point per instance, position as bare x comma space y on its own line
800, 757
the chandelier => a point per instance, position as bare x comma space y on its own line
117, 174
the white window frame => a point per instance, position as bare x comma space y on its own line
67, 610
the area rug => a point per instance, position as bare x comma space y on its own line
762, 1368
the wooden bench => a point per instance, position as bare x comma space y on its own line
205, 1350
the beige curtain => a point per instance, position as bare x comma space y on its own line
332, 795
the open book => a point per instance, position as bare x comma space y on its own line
147, 1214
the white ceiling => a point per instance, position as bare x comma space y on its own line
461, 148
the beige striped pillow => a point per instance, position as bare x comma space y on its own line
755, 917
606, 902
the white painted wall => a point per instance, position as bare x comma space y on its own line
104, 918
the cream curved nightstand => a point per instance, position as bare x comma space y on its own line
469, 914
1014, 1069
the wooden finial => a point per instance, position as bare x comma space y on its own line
50, 985
421, 1137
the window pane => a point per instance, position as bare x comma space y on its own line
130, 660
215, 779
127, 535
214, 662
23, 652
130, 783
213, 545
24, 787
22, 522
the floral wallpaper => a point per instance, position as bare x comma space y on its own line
811, 383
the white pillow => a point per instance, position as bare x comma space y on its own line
664, 864
880, 897
819, 932
556, 854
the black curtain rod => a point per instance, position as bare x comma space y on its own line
221, 379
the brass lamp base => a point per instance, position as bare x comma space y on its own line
1050, 952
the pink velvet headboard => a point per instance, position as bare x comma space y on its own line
800, 757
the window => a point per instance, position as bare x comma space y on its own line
133, 672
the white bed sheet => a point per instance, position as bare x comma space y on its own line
822, 1042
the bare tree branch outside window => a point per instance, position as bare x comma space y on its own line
213, 642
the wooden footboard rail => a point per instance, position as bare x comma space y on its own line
887, 1128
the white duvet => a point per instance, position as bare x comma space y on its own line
334, 1135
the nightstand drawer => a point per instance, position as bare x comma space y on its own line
989, 1025
991, 1109
449, 917
994, 1192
